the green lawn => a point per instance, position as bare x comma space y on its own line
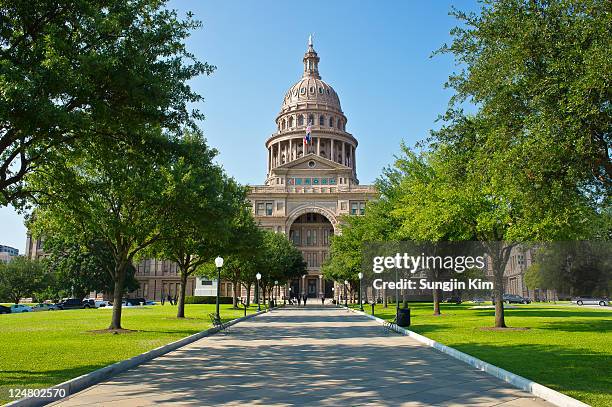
567, 348
41, 349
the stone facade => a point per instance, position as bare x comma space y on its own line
311, 180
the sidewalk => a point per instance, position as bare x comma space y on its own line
305, 356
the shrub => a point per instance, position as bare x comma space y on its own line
206, 299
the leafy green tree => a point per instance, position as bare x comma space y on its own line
243, 254
202, 203
21, 278
540, 72
95, 70
111, 194
280, 260
77, 267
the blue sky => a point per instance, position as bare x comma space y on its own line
375, 54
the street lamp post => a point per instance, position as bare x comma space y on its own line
345, 296
360, 300
396, 294
258, 276
219, 264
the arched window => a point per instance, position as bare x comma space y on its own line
321, 120
339, 124
344, 126
291, 122
283, 124
310, 119
300, 120
331, 122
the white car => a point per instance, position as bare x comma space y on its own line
591, 301
17, 308
91, 303
44, 307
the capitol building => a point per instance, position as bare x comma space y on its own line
311, 180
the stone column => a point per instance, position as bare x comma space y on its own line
319, 146
278, 154
290, 151
343, 154
331, 151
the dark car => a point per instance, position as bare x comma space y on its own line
514, 299
4, 310
453, 300
70, 303
135, 301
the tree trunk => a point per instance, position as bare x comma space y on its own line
120, 270
436, 301
498, 277
180, 313
385, 303
236, 286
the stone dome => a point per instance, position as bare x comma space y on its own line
311, 89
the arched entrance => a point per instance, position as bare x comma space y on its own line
310, 230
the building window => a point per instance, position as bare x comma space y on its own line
331, 122
294, 236
310, 119
300, 120
321, 120
343, 206
357, 207
269, 209
261, 209
291, 122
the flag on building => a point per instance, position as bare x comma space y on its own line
307, 136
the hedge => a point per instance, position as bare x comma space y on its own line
207, 299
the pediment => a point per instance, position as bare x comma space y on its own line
306, 163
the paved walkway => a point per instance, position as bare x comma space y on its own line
313, 357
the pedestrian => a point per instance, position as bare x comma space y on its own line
163, 299
170, 299
305, 297
322, 300
176, 300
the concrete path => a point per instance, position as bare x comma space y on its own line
312, 357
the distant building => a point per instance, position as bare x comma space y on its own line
312, 176
7, 253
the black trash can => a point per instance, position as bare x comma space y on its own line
403, 317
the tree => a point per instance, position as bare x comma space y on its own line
243, 254
94, 70
280, 260
21, 278
76, 267
203, 203
540, 79
111, 194
540, 72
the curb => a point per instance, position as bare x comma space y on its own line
81, 383
546, 393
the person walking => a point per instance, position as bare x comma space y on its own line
170, 299
163, 299
305, 297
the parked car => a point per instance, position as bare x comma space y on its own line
453, 300
513, 299
17, 308
4, 310
478, 300
70, 303
516, 299
149, 302
44, 307
602, 301
134, 301
91, 303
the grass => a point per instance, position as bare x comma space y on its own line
566, 348
41, 349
